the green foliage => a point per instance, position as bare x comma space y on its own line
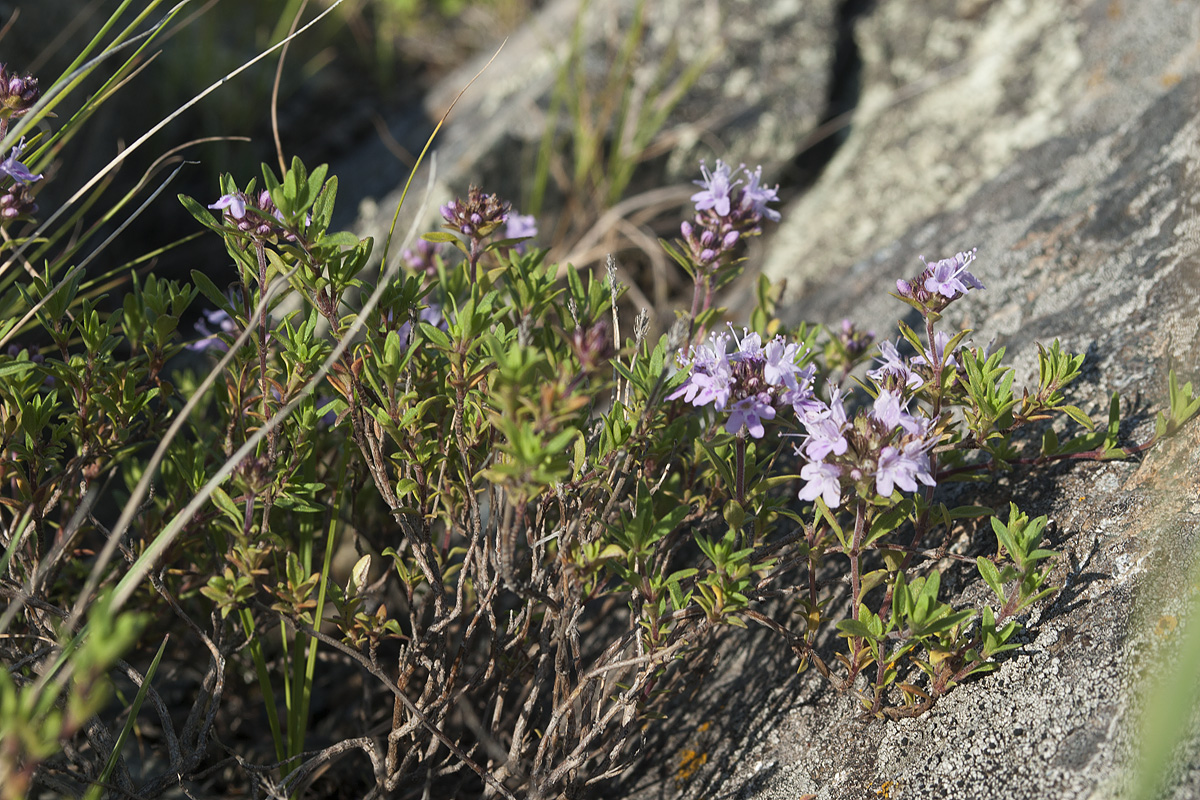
560, 543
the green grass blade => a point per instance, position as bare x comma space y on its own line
93, 792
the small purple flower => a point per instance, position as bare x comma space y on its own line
949, 277
592, 345
890, 410
477, 216
712, 374
423, 257
17, 93
717, 187
749, 348
233, 204
16, 201
726, 212
902, 467
520, 226
756, 197
826, 426
853, 339
256, 216
212, 339
749, 383
750, 411
13, 168
940, 283
825, 436
780, 368
822, 481
893, 366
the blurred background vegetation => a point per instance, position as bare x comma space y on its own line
368, 58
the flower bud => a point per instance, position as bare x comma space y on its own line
17, 93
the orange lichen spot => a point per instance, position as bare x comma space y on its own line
885, 789
1167, 624
1114, 9
703, 727
689, 762
1169, 79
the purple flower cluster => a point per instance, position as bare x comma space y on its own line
894, 372
17, 94
477, 216
882, 449
941, 282
854, 340
727, 209
749, 383
255, 215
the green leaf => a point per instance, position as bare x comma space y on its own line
970, 512
853, 627
225, 503
946, 622
435, 335
888, 521
1008, 544
991, 576
15, 370
1079, 415
870, 581
210, 291
719, 463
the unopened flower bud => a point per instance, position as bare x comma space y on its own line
17, 201
17, 93
477, 216
592, 345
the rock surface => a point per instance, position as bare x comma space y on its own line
954, 90
757, 98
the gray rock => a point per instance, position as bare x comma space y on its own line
765, 87
954, 90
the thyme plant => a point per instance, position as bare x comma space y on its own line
550, 525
